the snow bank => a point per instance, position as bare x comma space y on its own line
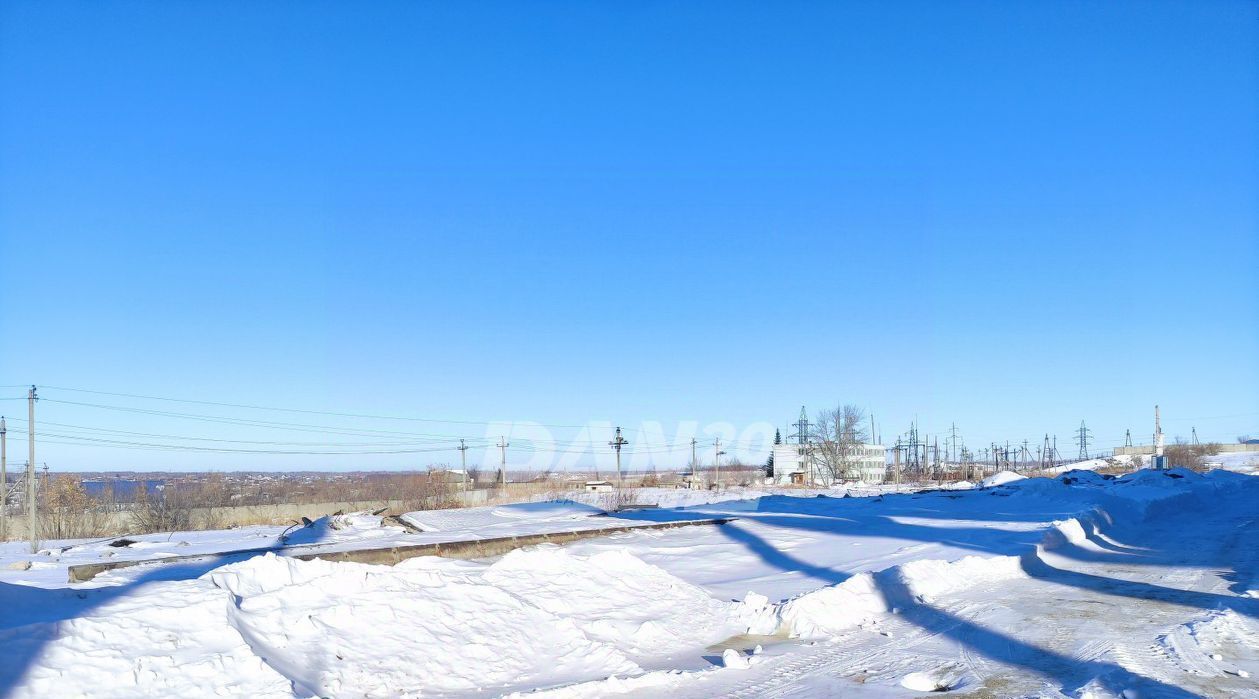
819, 614
171, 642
341, 629
616, 598
536, 617
931, 579
859, 600
335, 528
1001, 478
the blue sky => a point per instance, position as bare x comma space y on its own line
1008, 215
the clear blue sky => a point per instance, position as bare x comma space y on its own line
1012, 215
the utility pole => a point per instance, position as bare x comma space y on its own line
694, 463
463, 461
4, 484
717, 454
1083, 440
1195, 435
30, 468
502, 460
616, 444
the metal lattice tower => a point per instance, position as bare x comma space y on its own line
1127, 438
802, 428
1083, 440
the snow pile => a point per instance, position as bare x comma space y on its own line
616, 598
1001, 478
356, 526
861, 599
820, 614
342, 629
931, 579
171, 642
536, 617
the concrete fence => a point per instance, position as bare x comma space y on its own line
1147, 449
279, 513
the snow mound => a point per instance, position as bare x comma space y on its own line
861, 599
822, 613
171, 642
342, 629
941, 679
616, 598
929, 579
1001, 478
332, 528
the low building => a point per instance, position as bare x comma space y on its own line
797, 463
598, 487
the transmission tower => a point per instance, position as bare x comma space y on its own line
802, 428
1195, 436
1127, 438
953, 442
1083, 440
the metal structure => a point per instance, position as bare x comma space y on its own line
1083, 439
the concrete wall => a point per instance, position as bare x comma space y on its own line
281, 513
1146, 449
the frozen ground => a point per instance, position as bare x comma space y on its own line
1143, 586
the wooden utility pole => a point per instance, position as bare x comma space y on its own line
616, 444
30, 469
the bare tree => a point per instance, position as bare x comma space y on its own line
836, 439
166, 511
67, 511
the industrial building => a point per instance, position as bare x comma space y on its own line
796, 463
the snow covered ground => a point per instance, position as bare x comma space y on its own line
1076, 586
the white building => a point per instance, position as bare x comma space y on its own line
792, 464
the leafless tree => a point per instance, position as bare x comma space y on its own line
837, 436
166, 511
67, 511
